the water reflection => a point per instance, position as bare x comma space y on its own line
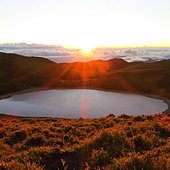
79, 103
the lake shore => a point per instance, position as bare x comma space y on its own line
167, 101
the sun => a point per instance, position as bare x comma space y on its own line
86, 51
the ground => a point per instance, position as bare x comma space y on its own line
118, 143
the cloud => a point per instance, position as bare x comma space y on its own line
37, 50
167, 56
60, 54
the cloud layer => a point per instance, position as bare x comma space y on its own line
60, 54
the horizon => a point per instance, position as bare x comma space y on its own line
93, 48
60, 54
86, 24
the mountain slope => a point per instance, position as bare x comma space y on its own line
19, 72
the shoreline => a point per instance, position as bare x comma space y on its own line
167, 101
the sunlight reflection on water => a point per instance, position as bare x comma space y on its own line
77, 103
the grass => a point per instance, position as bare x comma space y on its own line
118, 143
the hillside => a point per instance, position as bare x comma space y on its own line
19, 72
118, 143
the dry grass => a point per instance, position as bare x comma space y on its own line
119, 143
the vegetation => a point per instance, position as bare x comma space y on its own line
118, 143
20, 73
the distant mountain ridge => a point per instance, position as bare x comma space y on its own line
61, 54
18, 73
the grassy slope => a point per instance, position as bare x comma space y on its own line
18, 73
119, 143
152, 78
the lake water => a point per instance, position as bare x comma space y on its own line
78, 103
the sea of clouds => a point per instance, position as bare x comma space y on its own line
60, 54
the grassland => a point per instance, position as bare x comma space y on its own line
118, 143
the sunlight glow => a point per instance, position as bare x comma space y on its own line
86, 49
86, 23
86, 52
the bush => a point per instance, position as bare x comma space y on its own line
114, 143
138, 119
162, 132
124, 116
16, 165
135, 161
100, 158
103, 143
35, 141
110, 116
149, 117
16, 137
141, 144
39, 155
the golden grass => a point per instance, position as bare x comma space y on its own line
120, 143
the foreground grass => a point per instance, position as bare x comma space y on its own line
118, 143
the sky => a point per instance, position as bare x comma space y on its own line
86, 23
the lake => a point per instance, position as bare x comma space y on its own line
76, 103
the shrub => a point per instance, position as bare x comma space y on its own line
110, 116
4, 149
35, 141
124, 116
15, 165
141, 144
108, 124
138, 119
2, 134
162, 132
135, 161
39, 155
67, 129
16, 137
149, 117
114, 143
100, 158
130, 132
104, 143
131, 162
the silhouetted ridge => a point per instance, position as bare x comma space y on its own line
18, 72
